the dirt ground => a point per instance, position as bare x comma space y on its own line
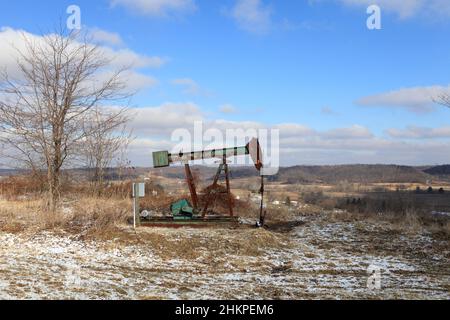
314, 257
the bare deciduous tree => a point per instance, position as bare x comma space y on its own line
43, 111
106, 139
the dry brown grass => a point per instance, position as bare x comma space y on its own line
19, 215
87, 217
34, 186
160, 202
97, 217
211, 244
23, 207
16, 187
412, 221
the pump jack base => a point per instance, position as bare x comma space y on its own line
194, 222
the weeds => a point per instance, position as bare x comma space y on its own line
23, 208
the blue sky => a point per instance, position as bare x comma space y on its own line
363, 94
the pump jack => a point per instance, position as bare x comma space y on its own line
182, 211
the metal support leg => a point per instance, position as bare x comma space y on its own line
230, 197
191, 184
262, 213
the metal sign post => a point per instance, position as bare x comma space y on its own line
138, 192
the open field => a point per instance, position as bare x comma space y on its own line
323, 257
318, 245
89, 252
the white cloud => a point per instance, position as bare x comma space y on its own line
404, 8
12, 41
295, 130
157, 7
138, 81
252, 16
224, 125
189, 85
441, 7
418, 99
414, 132
127, 57
353, 132
105, 37
299, 144
369, 152
164, 119
228, 109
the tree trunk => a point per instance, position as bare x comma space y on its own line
55, 173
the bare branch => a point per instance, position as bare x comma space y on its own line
55, 106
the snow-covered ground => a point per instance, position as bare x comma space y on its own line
316, 260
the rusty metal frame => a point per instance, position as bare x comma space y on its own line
191, 184
211, 193
253, 148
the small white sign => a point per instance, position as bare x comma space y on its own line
141, 190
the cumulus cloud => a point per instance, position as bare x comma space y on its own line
105, 37
138, 81
159, 8
404, 8
252, 16
353, 132
417, 99
295, 130
189, 86
128, 57
162, 120
381, 152
414, 132
228, 109
12, 41
299, 144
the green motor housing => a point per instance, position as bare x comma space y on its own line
182, 210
